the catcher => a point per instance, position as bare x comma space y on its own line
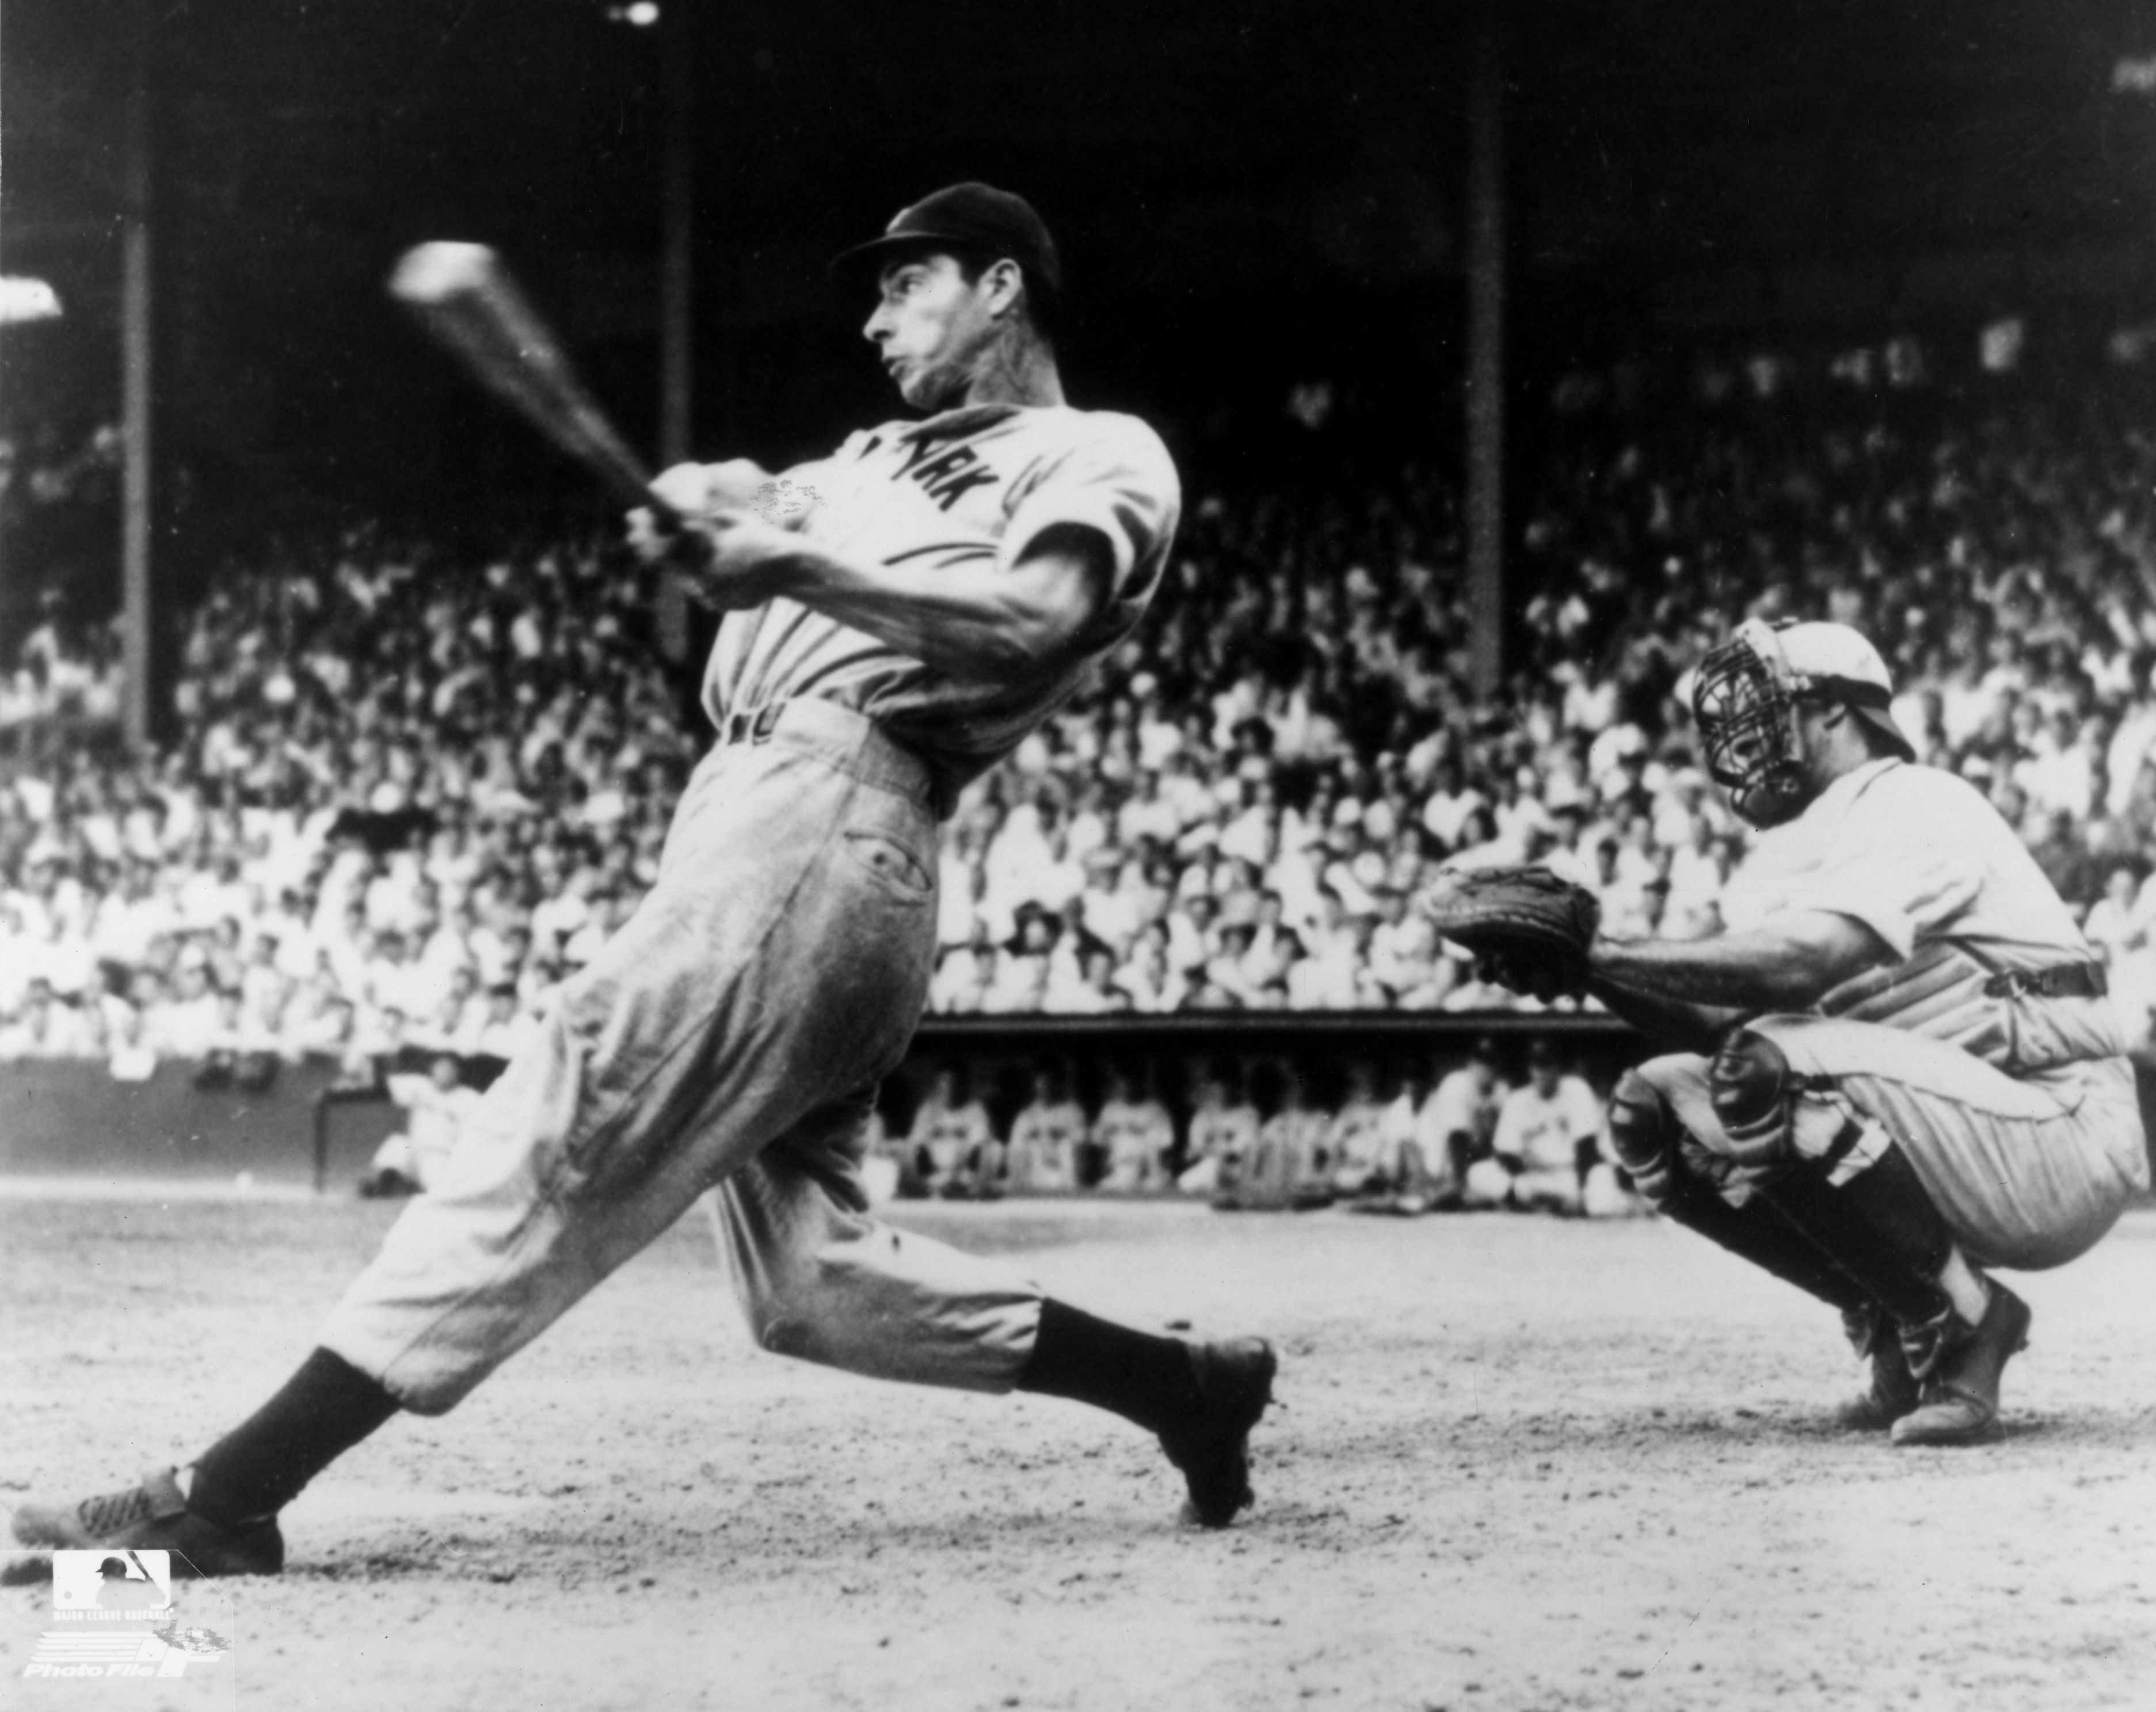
1901, 1069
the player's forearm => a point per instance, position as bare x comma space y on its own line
1789, 967
983, 621
1671, 1022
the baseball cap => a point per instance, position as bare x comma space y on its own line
972, 217
1839, 660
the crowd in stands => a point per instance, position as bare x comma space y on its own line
1446, 1135
406, 803
410, 795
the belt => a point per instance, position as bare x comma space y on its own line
847, 740
2064, 981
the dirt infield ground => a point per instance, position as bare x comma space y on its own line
1519, 1464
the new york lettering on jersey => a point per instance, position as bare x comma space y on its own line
971, 485
945, 476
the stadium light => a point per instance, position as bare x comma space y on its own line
27, 300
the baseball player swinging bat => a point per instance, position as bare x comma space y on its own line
471, 305
952, 581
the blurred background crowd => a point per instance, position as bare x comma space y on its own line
413, 788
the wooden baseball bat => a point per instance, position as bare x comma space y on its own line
467, 300
464, 296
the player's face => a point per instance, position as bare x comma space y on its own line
932, 329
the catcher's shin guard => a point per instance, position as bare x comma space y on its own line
1881, 1228
1878, 1225
1646, 1137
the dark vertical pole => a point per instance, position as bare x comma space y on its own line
676, 266
1486, 352
134, 384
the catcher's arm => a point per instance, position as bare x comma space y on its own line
1698, 988
1690, 1028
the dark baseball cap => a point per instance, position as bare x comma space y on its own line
971, 217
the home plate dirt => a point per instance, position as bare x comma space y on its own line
1516, 1463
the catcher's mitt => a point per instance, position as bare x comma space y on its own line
1528, 929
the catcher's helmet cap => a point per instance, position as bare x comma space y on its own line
1839, 661
972, 217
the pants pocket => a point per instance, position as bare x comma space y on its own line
894, 868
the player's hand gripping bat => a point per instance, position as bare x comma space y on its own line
464, 296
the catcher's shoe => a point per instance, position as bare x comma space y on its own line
152, 1515
1894, 1390
1960, 1403
1213, 1448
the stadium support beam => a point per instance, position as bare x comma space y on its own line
1486, 352
135, 358
677, 257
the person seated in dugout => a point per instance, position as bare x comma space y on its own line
1545, 1150
1223, 1134
1046, 1135
436, 1107
950, 1135
1133, 1134
1287, 1166
1354, 1138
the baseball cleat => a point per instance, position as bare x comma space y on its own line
1960, 1403
1235, 1382
152, 1515
1894, 1390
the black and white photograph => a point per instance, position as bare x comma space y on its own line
1077, 856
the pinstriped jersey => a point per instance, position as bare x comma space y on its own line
970, 486
1921, 859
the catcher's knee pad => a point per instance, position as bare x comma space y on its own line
1644, 1133
1750, 1085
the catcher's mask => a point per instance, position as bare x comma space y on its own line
1745, 698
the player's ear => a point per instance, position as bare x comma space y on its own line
1004, 284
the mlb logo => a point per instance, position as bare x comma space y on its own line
113, 1580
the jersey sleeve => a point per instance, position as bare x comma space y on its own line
1117, 479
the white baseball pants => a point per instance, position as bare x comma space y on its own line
727, 1040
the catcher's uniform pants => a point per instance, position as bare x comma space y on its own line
728, 1039
2028, 1172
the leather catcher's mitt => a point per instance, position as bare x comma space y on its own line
1528, 929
